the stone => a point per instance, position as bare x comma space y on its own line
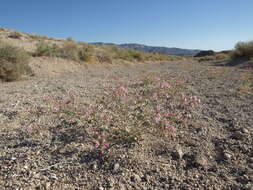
227, 156
179, 152
47, 185
116, 167
147, 178
244, 130
201, 160
135, 178
95, 166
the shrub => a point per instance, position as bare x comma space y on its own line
243, 50
13, 62
85, 53
45, 49
69, 50
37, 37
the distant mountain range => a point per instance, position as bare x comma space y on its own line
155, 49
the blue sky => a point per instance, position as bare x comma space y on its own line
197, 24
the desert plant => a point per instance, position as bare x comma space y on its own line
46, 49
242, 50
13, 62
85, 53
125, 112
69, 50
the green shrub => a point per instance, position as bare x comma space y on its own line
13, 62
104, 57
46, 49
69, 50
243, 50
85, 53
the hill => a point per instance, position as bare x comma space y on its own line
154, 49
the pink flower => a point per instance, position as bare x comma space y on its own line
97, 144
165, 85
189, 116
45, 97
169, 114
121, 91
55, 110
155, 96
171, 129
158, 118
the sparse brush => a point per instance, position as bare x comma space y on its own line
85, 53
46, 49
13, 62
242, 50
69, 50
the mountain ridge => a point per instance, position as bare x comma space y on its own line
154, 49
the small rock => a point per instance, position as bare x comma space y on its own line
100, 188
116, 167
146, 178
201, 160
251, 166
135, 178
251, 160
244, 130
179, 153
227, 156
122, 186
95, 166
110, 182
237, 135
47, 186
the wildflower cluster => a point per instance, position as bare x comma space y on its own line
128, 110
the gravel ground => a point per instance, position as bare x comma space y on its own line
216, 152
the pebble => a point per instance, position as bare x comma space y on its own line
179, 152
116, 167
244, 130
201, 160
47, 185
95, 166
251, 166
251, 160
110, 182
122, 186
147, 178
135, 178
227, 156
100, 188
